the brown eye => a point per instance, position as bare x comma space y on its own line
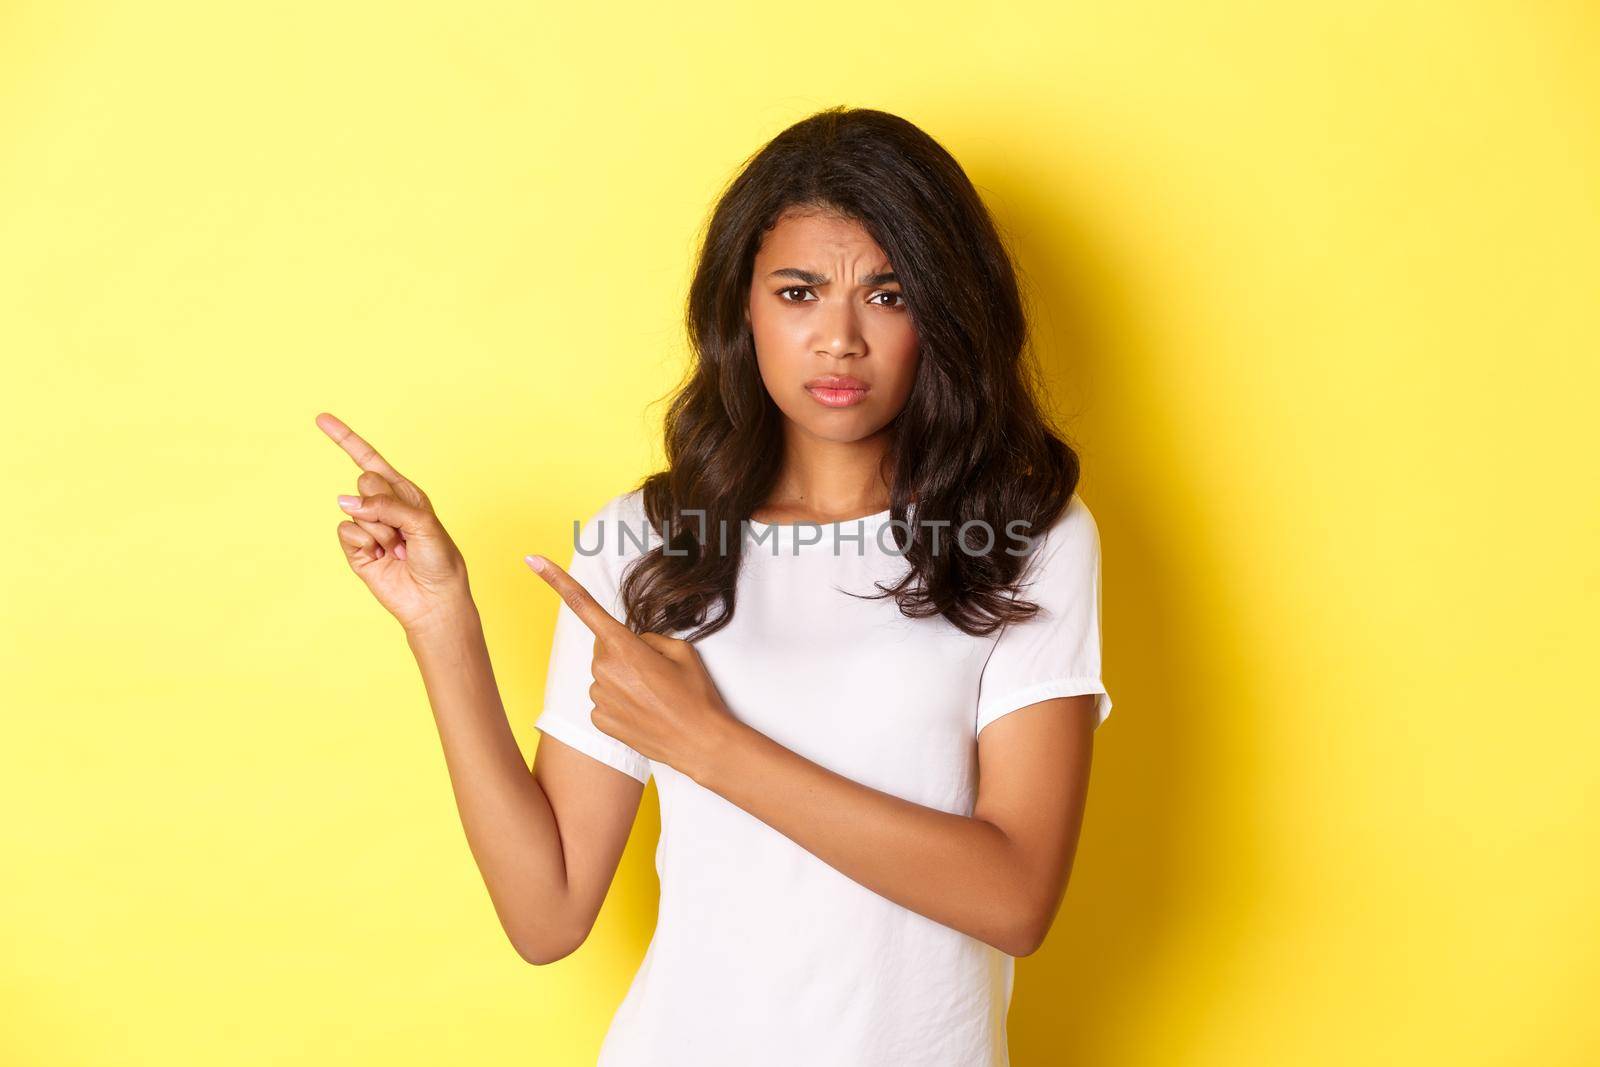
793, 289
898, 296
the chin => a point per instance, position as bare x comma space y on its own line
840, 431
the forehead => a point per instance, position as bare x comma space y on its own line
813, 235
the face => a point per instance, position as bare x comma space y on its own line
824, 302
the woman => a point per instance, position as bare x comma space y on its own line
872, 773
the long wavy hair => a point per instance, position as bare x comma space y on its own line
971, 443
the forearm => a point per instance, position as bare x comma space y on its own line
957, 870
509, 825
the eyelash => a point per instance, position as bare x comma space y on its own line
882, 292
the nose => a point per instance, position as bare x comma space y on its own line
839, 332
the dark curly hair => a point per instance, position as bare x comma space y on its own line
971, 444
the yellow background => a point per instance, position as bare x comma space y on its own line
1317, 290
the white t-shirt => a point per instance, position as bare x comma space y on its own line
762, 953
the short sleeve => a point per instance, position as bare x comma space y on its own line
567, 706
1056, 653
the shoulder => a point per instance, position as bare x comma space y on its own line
1069, 547
624, 507
615, 533
1073, 529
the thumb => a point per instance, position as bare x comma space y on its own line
675, 649
391, 511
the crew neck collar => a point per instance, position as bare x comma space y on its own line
877, 517
786, 534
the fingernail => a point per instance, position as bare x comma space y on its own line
536, 562
400, 550
349, 503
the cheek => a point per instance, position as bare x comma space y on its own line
775, 330
780, 341
895, 350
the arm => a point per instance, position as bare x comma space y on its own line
998, 876
548, 842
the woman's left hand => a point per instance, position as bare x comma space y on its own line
651, 692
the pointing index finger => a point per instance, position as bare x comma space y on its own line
365, 455
589, 611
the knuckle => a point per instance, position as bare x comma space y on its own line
371, 483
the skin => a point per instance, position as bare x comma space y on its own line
548, 843
810, 314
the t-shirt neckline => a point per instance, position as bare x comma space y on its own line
785, 533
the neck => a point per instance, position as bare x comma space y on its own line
832, 477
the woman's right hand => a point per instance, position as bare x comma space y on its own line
395, 543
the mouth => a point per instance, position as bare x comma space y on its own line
837, 391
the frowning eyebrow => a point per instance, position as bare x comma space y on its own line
822, 279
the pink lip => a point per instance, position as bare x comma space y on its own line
836, 398
837, 381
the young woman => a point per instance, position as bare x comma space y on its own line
852, 631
